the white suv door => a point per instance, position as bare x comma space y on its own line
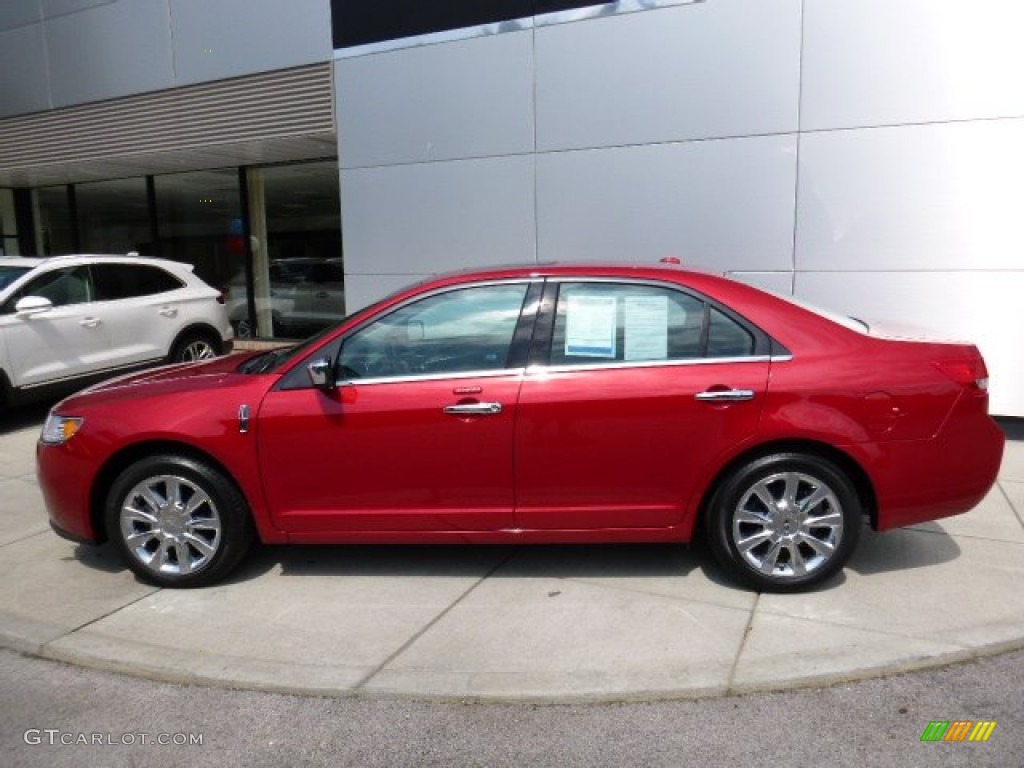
147, 304
63, 342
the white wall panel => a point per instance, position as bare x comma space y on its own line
435, 217
17, 13
363, 290
229, 38
982, 307
108, 51
884, 62
23, 83
947, 196
722, 68
53, 8
471, 98
776, 282
726, 204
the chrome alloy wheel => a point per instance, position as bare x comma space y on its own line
788, 525
170, 525
198, 349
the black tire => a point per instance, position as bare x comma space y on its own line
784, 522
193, 347
178, 522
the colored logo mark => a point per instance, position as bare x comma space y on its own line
958, 730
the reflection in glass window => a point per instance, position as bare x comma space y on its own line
113, 216
52, 214
469, 329
8, 224
199, 221
303, 218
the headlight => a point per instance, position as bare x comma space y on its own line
59, 429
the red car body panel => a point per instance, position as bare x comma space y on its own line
576, 454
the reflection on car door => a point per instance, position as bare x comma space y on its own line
62, 343
618, 428
418, 437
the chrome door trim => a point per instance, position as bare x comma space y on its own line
473, 409
725, 396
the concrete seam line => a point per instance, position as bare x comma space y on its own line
109, 613
1019, 514
430, 624
730, 683
27, 536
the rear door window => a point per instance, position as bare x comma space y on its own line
604, 322
126, 281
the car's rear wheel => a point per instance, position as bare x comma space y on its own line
178, 522
784, 522
194, 347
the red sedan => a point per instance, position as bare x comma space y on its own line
537, 404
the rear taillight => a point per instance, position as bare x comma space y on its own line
969, 372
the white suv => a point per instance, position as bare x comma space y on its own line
67, 321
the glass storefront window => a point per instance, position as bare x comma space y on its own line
196, 217
51, 211
113, 216
199, 222
8, 224
303, 234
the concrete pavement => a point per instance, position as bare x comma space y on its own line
514, 623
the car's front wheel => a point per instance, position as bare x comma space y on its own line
784, 522
178, 522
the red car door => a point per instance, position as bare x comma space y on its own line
644, 391
419, 434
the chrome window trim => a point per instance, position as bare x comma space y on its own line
542, 369
488, 373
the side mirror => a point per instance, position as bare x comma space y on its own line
321, 374
32, 305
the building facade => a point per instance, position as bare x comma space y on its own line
867, 156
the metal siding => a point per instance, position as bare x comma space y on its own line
723, 68
726, 204
109, 51
279, 104
471, 98
230, 38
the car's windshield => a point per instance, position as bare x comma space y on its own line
9, 274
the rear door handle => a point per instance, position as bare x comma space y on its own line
725, 395
473, 409
169, 311
89, 322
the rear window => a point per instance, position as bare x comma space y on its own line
125, 281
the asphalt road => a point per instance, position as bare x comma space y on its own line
871, 723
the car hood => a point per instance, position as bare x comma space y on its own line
180, 378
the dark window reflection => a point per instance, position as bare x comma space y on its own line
199, 222
113, 216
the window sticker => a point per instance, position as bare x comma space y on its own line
590, 326
646, 328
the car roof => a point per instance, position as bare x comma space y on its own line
671, 272
96, 258
20, 261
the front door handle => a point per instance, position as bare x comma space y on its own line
89, 322
473, 409
725, 395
